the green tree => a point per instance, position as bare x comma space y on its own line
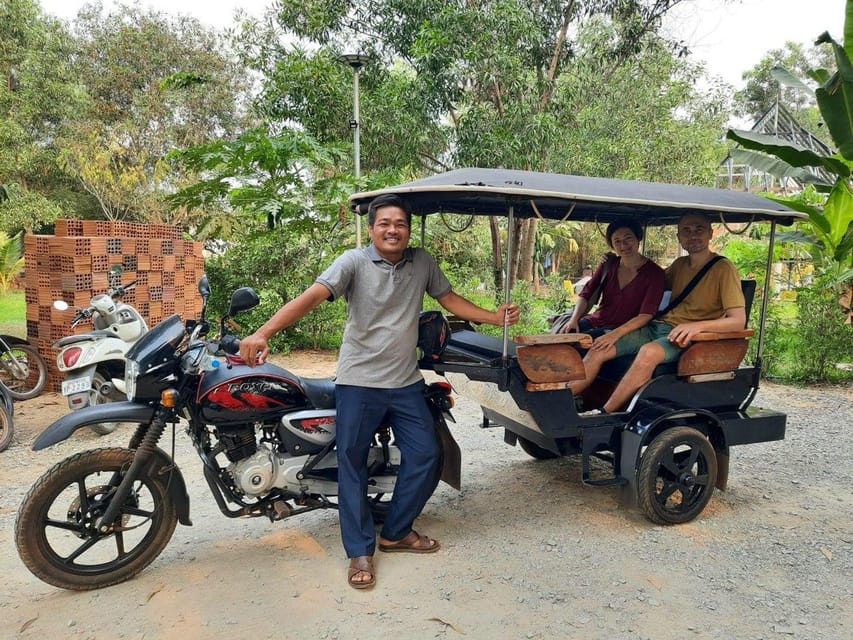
488, 83
265, 177
131, 62
37, 97
11, 260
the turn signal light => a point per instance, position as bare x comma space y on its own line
169, 398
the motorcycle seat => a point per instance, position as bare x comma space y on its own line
320, 391
84, 337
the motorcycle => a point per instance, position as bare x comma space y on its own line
93, 362
265, 438
23, 370
7, 410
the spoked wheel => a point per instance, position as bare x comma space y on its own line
677, 475
96, 397
56, 531
535, 451
5, 428
23, 371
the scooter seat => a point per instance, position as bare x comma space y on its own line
84, 337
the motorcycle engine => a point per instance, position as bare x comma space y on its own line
255, 474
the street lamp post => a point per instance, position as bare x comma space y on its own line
356, 61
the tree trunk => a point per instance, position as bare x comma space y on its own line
512, 267
527, 242
497, 254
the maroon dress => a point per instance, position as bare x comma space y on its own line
617, 306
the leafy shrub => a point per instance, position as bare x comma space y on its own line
279, 265
822, 340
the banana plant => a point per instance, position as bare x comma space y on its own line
831, 224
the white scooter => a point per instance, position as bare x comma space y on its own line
93, 362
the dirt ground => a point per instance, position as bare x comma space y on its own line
528, 551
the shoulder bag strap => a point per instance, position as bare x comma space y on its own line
690, 286
596, 295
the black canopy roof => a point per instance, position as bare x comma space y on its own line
558, 197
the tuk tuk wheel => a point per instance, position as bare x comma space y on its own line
677, 475
535, 451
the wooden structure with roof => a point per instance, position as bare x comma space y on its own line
778, 122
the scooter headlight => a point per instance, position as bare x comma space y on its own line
131, 372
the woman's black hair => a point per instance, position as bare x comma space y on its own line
388, 200
634, 227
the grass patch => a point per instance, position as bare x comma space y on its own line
13, 314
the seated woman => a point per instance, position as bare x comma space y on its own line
630, 295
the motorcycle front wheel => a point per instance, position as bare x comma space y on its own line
56, 533
23, 371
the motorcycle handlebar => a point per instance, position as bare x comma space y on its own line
230, 344
123, 288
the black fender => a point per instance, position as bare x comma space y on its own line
451, 471
109, 412
160, 464
15, 340
645, 424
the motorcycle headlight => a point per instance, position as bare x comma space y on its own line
131, 371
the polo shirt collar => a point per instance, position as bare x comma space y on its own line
373, 254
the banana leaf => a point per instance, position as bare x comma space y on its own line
795, 155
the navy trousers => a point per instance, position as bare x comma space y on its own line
359, 412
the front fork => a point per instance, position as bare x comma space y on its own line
144, 454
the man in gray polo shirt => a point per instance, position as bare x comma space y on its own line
383, 284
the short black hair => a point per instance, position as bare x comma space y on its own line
634, 227
388, 200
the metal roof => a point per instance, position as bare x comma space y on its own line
581, 198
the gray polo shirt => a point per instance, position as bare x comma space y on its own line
383, 304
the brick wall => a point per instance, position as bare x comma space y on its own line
73, 265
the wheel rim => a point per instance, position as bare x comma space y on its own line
682, 479
68, 534
21, 372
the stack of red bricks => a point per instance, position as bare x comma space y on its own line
74, 264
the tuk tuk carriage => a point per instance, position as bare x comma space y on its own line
670, 448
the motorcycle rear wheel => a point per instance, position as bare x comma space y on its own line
23, 371
55, 531
95, 397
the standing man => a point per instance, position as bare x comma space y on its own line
377, 376
716, 303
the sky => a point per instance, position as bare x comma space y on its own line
730, 37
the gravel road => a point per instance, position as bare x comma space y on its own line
528, 551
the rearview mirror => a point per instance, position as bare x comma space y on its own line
243, 299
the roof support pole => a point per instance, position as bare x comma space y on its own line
766, 295
510, 225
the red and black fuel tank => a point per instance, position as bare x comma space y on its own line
241, 394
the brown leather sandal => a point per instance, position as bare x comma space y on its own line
412, 543
359, 567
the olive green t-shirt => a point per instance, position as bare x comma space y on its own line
718, 290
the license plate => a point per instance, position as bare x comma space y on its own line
77, 385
